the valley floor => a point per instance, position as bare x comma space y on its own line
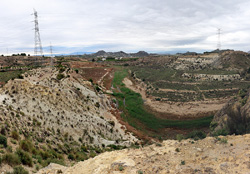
178, 110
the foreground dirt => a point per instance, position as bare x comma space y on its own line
231, 154
177, 110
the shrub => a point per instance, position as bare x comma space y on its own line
11, 159
81, 156
19, 170
222, 132
76, 70
3, 140
71, 156
51, 160
179, 137
60, 76
196, 135
26, 145
20, 76
213, 125
24, 157
98, 89
15, 135
121, 168
223, 140
112, 123
61, 70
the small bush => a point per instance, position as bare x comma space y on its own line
76, 70
98, 89
15, 135
26, 145
121, 168
71, 157
81, 156
11, 159
222, 132
61, 70
179, 137
51, 160
213, 125
3, 140
19, 170
196, 135
60, 76
222, 140
112, 123
24, 157
20, 76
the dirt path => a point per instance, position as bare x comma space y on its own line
178, 110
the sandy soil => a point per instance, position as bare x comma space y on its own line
209, 155
178, 110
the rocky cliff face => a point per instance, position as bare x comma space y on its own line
69, 107
211, 155
234, 117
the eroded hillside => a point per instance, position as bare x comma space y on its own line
58, 112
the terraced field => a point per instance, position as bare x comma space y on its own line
167, 84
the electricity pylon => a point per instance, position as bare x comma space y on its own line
38, 44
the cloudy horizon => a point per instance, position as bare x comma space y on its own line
125, 25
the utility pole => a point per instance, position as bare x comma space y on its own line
51, 56
38, 44
219, 43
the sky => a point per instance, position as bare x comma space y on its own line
156, 26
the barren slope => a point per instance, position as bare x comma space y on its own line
230, 154
68, 106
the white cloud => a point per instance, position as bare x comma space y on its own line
129, 25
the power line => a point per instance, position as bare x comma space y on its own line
38, 44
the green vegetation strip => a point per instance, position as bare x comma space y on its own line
6, 76
133, 111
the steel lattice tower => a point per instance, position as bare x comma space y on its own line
38, 50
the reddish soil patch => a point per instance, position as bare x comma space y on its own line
100, 74
107, 81
78, 64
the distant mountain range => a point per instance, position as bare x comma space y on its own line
102, 53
